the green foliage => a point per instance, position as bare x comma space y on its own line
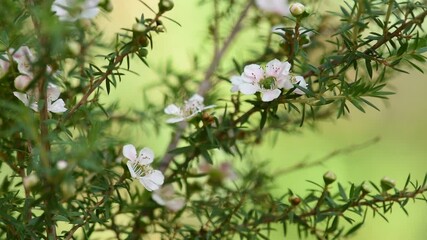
367, 42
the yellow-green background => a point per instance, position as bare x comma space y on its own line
401, 123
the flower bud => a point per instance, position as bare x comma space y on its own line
387, 183
21, 82
329, 177
165, 5
139, 27
61, 164
30, 180
297, 9
366, 188
294, 200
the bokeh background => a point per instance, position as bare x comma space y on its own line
401, 124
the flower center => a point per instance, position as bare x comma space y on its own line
75, 10
140, 169
268, 83
192, 107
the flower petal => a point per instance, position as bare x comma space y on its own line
152, 181
173, 109
175, 120
158, 199
175, 204
129, 152
89, 13
196, 98
301, 82
236, 81
53, 92
270, 95
254, 72
280, 7
23, 97
247, 88
131, 170
146, 156
57, 107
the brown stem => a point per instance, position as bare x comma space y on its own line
90, 209
92, 87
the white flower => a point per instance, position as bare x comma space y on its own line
191, 107
165, 196
71, 10
274, 6
54, 103
268, 83
24, 58
140, 169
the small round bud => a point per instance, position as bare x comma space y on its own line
143, 52
160, 28
297, 9
329, 177
61, 164
165, 5
139, 27
30, 180
109, 7
366, 188
74, 47
387, 183
21, 82
294, 200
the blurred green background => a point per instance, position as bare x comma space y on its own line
401, 124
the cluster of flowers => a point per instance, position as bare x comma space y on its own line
269, 83
254, 79
24, 59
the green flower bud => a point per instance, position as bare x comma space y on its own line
366, 188
329, 177
139, 27
387, 183
297, 9
165, 5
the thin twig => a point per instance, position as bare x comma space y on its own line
332, 64
304, 164
206, 84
